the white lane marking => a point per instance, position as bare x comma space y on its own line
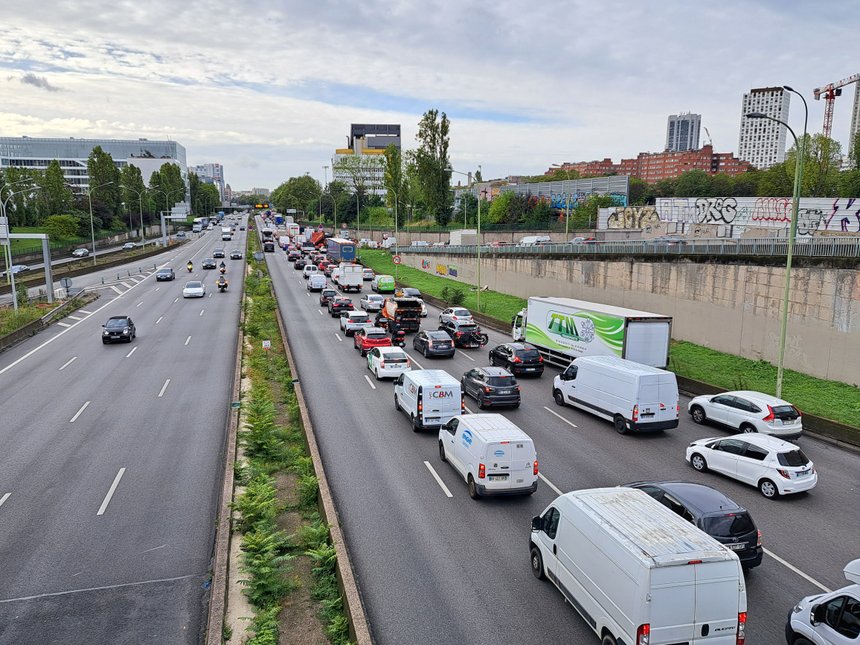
139, 303
74, 317
155, 548
157, 288
4, 498
78, 413
320, 310
336, 335
308, 294
438, 479
788, 565
62, 324
67, 363
119, 291
111, 491
461, 352
468, 410
572, 425
367, 378
188, 340
127, 285
163, 388
210, 295
420, 366
159, 319
550, 484
84, 311
134, 349
119, 586
201, 311
175, 299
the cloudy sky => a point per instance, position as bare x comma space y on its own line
270, 88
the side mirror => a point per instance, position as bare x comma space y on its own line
537, 523
816, 614
102, 325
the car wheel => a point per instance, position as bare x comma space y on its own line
768, 489
376, 372
800, 640
415, 426
492, 360
481, 404
748, 428
698, 462
620, 424
559, 397
607, 640
442, 452
473, 489
537, 563
698, 415
396, 403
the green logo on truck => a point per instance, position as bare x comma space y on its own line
571, 327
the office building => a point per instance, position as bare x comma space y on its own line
72, 154
762, 141
361, 165
212, 173
682, 132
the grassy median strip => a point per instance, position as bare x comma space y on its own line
280, 487
827, 399
11, 321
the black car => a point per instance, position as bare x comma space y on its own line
242, 228
433, 343
118, 329
163, 275
235, 254
462, 333
209, 263
339, 304
218, 253
326, 295
713, 512
518, 358
491, 386
300, 263
292, 256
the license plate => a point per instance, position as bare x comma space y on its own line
801, 473
737, 547
530, 369
504, 391
497, 478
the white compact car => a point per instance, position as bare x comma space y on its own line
455, 314
746, 411
388, 362
352, 321
774, 466
194, 289
371, 302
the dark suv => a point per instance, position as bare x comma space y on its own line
714, 513
339, 304
491, 386
118, 329
326, 295
460, 331
518, 358
433, 343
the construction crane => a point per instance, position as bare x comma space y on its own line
830, 92
710, 142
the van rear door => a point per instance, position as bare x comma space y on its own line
522, 463
441, 403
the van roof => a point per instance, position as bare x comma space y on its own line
494, 427
646, 528
431, 377
592, 306
620, 363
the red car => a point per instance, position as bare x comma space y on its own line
369, 337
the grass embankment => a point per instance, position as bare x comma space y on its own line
12, 321
277, 511
828, 399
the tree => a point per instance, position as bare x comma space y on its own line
434, 177
478, 177
775, 181
301, 193
854, 155
104, 181
133, 188
360, 171
693, 183
168, 187
56, 195
61, 227
393, 175
849, 183
640, 192
467, 209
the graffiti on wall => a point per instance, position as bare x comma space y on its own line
633, 217
563, 201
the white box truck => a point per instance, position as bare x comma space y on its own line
637, 572
464, 237
563, 329
348, 276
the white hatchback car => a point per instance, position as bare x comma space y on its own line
371, 302
388, 362
747, 411
455, 314
80, 253
194, 289
774, 466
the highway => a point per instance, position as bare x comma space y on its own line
439, 569
112, 460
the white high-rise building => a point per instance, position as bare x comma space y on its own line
682, 132
762, 141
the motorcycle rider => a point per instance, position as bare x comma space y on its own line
190, 266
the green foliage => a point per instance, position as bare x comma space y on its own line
55, 196
257, 504
21, 292
432, 161
693, 183
104, 183
264, 626
265, 560
452, 296
308, 487
11, 321
61, 227
849, 183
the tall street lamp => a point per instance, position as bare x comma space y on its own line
798, 174
566, 202
90, 190
478, 292
469, 177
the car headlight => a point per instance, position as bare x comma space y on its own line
105, 333
126, 330
797, 609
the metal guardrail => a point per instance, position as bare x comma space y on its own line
822, 247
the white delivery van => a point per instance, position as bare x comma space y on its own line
637, 572
831, 618
316, 282
428, 397
535, 240
633, 396
491, 454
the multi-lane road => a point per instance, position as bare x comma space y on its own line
434, 568
111, 458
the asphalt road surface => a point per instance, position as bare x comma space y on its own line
439, 569
112, 459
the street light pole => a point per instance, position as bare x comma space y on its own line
9, 273
92, 226
478, 292
798, 169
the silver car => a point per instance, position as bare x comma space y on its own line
352, 321
371, 302
455, 315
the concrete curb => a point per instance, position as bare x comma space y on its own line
359, 630
221, 547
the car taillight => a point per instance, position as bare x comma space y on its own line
540, 359
783, 473
758, 538
535, 471
458, 334
516, 359
420, 403
482, 471
677, 410
635, 413
769, 416
643, 634
518, 388
487, 389
742, 628
382, 364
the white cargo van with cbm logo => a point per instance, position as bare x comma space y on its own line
428, 397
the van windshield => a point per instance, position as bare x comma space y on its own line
729, 525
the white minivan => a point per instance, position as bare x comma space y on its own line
491, 453
429, 398
316, 282
632, 395
535, 240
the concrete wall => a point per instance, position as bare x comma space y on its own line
730, 308
405, 238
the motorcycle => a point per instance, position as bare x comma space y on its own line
222, 285
190, 267
222, 270
471, 339
398, 338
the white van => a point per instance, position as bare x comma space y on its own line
491, 454
226, 233
637, 572
316, 282
309, 270
829, 619
428, 397
633, 396
535, 240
